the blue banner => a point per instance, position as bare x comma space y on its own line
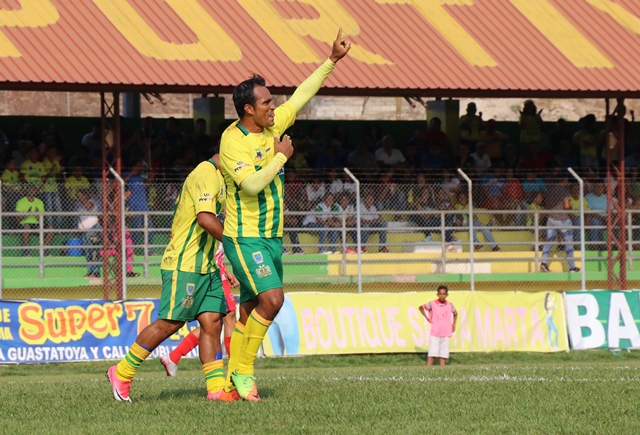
43, 331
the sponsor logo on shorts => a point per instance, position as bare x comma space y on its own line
258, 257
188, 301
263, 270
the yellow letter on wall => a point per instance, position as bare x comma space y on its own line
618, 13
562, 34
439, 18
213, 42
32, 13
288, 33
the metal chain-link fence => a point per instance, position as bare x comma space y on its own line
503, 233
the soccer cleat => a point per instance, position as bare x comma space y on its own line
223, 396
120, 388
544, 267
169, 366
246, 386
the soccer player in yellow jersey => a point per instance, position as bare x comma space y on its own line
252, 159
191, 285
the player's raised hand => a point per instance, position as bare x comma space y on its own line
283, 146
340, 47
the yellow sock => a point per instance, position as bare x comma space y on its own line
126, 368
255, 330
214, 375
237, 337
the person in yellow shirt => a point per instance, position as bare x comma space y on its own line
470, 126
481, 222
574, 200
51, 192
75, 182
31, 170
191, 284
586, 141
252, 157
10, 185
29, 204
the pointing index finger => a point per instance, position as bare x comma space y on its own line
339, 33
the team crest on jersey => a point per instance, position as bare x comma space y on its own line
188, 301
258, 155
263, 271
258, 257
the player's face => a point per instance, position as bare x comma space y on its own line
442, 295
263, 108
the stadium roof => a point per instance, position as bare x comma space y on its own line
564, 48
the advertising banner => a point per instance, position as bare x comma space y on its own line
322, 323
39, 331
604, 319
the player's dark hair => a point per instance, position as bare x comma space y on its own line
243, 94
443, 287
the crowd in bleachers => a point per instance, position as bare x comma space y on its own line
418, 173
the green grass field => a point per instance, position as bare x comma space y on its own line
577, 392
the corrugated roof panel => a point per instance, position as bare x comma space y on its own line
464, 47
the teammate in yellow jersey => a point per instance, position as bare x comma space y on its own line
191, 284
252, 159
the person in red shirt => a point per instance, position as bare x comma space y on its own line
443, 316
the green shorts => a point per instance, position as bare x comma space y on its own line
186, 295
256, 262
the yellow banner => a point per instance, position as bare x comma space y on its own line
327, 323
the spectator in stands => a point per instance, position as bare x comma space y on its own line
530, 124
514, 196
297, 160
138, 203
494, 184
449, 183
10, 185
326, 158
559, 134
292, 221
565, 157
388, 156
390, 195
422, 204
470, 126
494, 139
436, 158
531, 185
481, 222
200, 139
361, 158
414, 157
340, 140
323, 217
536, 159
597, 201
140, 144
295, 191
31, 170
93, 142
481, 160
315, 191
80, 158
536, 205
443, 203
586, 141
632, 161
75, 182
369, 218
22, 151
29, 224
511, 159
25, 132
464, 160
51, 191
558, 201
435, 136
336, 185
89, 224
415, 190
574, 200
345, 207
171, 137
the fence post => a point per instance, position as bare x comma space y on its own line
123, 240
472, 283
582, 245
344, 243
358, 235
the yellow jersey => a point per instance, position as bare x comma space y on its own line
191, 248
52, 168
11, 180
73, 184
33, 171
242, 154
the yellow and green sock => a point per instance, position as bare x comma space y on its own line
127, 367
255, 330
237, 337
214, 375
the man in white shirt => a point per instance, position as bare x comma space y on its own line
387, 156
369, 218
324, 217
480, 158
